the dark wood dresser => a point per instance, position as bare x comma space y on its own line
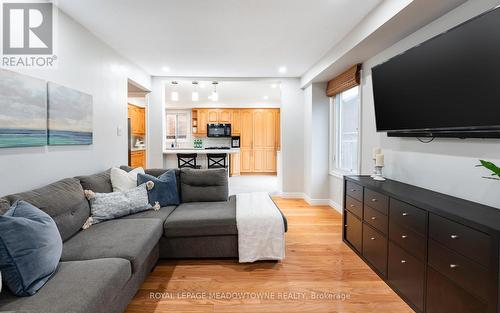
439, 253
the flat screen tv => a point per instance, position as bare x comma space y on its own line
448, 86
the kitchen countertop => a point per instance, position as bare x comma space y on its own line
138, 149
200, 151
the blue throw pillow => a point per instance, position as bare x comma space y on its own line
164, 190
30, 248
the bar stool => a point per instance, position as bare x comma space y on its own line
216, 160
187, 160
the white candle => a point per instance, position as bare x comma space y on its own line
379, 160
376, 151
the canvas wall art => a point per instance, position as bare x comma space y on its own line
69, 116
23, 110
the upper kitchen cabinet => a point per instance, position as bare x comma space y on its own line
137, 117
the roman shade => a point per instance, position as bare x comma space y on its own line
344, 81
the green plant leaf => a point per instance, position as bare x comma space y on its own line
490, 166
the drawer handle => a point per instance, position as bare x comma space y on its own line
403, 261
404, 236
346, 225
352, 205
374, 200
372, 238
404, 214
373, 218
453, 265
454, 236
353, 190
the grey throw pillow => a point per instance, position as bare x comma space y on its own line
204, 185
107, 206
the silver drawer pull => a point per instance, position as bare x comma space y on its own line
403, 261
404, 236
352, 205
373, 218
404, 214
353, 190
373, 238
374, 200
345, 225
454, 236
453, 266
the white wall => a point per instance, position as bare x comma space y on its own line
445, 165
88, 65
316, 138
292, 137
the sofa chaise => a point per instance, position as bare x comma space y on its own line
101, 268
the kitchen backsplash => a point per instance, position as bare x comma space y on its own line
207, 142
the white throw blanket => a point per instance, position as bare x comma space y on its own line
261, 230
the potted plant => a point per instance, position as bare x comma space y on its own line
492, 167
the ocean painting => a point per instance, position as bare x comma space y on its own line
70, 116
23, 110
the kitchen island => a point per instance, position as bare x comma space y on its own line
170, 155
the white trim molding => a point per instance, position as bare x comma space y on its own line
334, 205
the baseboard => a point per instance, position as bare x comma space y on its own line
292, 195
334, 205
312, 201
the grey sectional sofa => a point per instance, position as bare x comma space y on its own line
101, 268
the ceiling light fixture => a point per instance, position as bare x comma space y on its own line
215, 95
174, 96
282, 69
195, 96
165, 69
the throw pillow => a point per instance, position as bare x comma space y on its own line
30, 248
209, 185
165, 189
123, 181
108, 206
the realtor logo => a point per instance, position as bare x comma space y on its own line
27, 28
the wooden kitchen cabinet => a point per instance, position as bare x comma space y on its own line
236, 122
213, 116
224, 116
137, 117
138, 158
234, 164
200, 122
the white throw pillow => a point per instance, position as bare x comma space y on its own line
123, 181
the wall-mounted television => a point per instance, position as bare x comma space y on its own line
448, 86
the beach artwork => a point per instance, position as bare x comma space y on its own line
69, 116
23, 110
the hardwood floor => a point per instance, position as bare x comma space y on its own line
317, 264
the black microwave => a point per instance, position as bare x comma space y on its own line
219, 130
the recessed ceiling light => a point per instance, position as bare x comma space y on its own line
282, 69
266, 97
165, 69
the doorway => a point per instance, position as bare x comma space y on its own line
137, 103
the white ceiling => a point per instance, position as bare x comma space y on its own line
221, 38
231, 94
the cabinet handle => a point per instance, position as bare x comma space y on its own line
352, 205
403, 261
374, 200
454, 236
453, 265
373, 238
404, 214
353, 190
345, 225
404, 236
373, 218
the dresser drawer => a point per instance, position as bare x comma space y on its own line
408, 216
469, 242
353, 230
409, 240
375, 248
466, 274
375, 219
354, 190
407, 274
377, 201
354, 206
443, 296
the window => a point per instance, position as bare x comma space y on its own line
344, 126
177, 125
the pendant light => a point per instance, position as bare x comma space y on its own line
195, 96
215, 95
174, 96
